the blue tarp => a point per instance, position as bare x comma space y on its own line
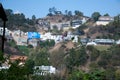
32, 35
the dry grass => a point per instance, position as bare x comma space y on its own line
102, 47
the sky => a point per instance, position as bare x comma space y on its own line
40, 8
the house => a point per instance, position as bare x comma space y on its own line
59, 37
20, 37
4, 67
7, 32
91, 43
104, 20
85, 19
118, 42
34, 42
66, 25
84, 41
22, 41
46, 36
44, 70
76, 23
18, 57
57, 26
104, 41
33, 38
43, 24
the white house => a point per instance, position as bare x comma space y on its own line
44, 70
59, 38
20, 37
91, 43
7, 32
76, 23
104, 41
118, 42
104, 20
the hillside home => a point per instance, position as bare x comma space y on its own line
46, 36
33, 38
8, 34
20, 37
104, 41
104, 20
118, 42
91, 43
43, 24
85, 19
22, 41
59, 38
57, 26
76, 23
66, 25
18, 57
34, 42
55, 18
44, 70
4, 67
84, 41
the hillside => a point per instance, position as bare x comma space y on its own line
10, 48
65, 46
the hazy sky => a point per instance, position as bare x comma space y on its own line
39, 8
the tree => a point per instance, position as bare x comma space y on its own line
78, 13
117, 74
29, 65
41, 57
116, 21
104, 59
106, 14
1, 58
76, 58
94, 53
66, 12
95, 16
16, 72
110, 74
76, 75
33, 17
52, 11
69, 13
96, 75
9, 12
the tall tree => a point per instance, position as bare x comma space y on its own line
95, 16
106, 14
78, 13
66, 12
33, 17
69, 13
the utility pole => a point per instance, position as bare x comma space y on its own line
4, 19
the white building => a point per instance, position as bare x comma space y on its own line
59, 38
20, 37
91, 43
7, 32
104, 20
44, 70
118, 42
